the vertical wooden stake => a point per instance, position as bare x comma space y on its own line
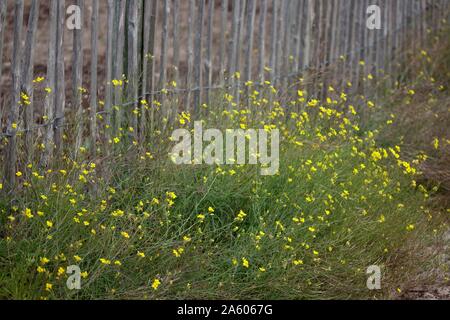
133, 76
77, 79
261, 41
50, 98
27, 77
198, 61
3, 6
109, 72
190, 45
163, 59
60, 79
209, 52
13, 119
223, 39
93, 88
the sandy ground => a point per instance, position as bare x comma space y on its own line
433, 283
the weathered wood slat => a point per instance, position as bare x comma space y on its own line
49, 102
198, 57
310, 15
118, 64
60, 79
146, 60
354, 57
346, 44
360, 54
209, 52
164, 49
190, 46
151, 71
176, 41
251, 10
109, 70
335, 32
286, 45
262, 40
94, 69
27, 77
326, 60
13, 118
77, 78
280, 26
133, 76
240, 39
273, 43
3, 5
299, 47
223, 40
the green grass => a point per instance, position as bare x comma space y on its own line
309, 232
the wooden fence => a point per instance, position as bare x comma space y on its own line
134, 55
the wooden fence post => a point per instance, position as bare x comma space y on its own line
163, 57
367, 48
119, 50
240, 38
176, 41
60, 79
93, 88
335, 35
378, 52
387, 40
317, 32
50, 98
109, 73
279, 48
285, 51
234, 45
77, 78
132, 65
391, 43
223, 39
328, 35
3, 6
309, 42
190, 46
345, 44
151, 71
27, 77
423, 21
209, 53
146, 60
198, 59
360, 49
299, 48
261, 41
273, 43
13, 119
249, 42
353, 63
